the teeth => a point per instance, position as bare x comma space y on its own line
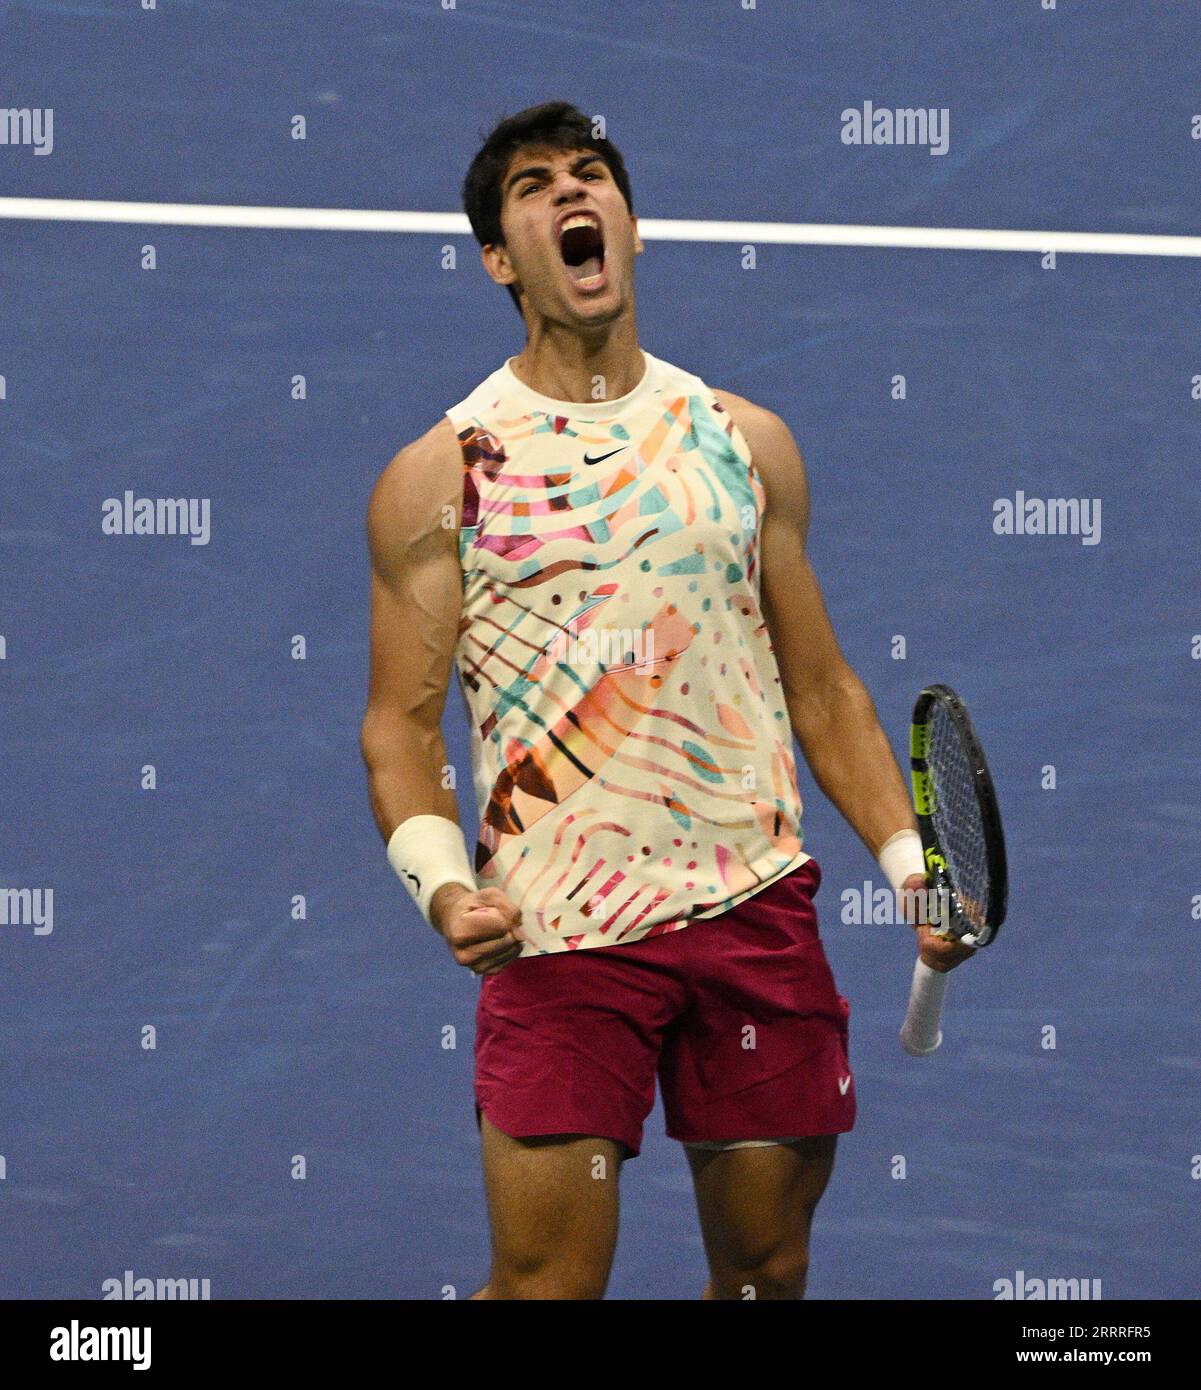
580, 221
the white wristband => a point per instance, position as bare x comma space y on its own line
429, 852
901, 855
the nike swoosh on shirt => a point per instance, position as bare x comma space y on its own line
602, 457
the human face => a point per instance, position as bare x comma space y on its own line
570, 239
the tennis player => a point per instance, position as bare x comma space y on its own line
611, 555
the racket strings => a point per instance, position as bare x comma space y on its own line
958, 823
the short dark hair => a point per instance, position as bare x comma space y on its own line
554, 125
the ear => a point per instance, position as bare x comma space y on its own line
638, 247
497, 263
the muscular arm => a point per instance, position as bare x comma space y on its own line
416, 602
831, 712
416, 595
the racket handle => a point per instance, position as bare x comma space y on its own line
922, 1033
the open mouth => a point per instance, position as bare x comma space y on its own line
583, 250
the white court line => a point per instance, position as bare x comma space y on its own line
651, 228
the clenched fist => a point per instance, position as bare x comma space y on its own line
482, 929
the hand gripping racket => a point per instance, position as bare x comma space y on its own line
964, 846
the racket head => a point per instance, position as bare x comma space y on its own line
962, 838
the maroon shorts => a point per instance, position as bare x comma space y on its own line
737, 1014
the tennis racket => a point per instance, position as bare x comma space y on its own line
964, 847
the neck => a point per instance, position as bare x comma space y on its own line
570, 366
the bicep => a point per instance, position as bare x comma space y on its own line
806, 648
416, 590
414, 627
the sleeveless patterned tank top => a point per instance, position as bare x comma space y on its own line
631, 751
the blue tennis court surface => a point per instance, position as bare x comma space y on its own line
327, 1037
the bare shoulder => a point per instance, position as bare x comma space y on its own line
423, 467
418, 495
751, 418
773, 449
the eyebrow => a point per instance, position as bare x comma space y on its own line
542, 170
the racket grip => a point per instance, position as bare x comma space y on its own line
922, 1032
